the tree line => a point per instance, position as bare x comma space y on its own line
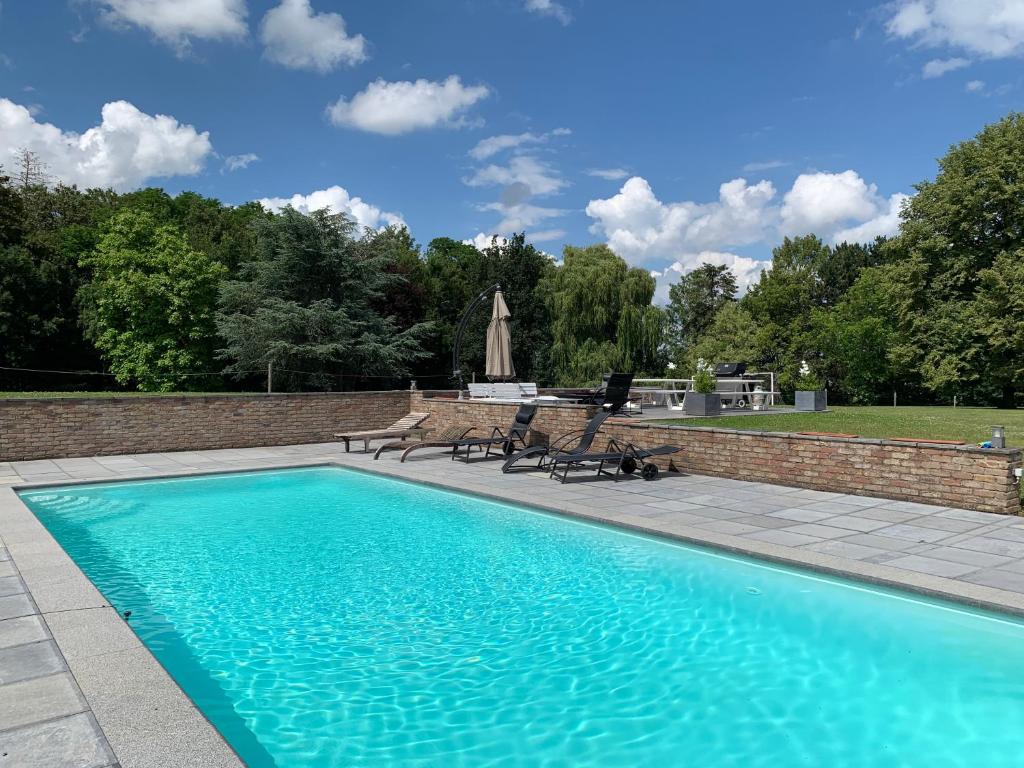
165, 293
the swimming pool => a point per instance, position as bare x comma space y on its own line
327, 617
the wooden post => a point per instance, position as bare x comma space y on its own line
270, 377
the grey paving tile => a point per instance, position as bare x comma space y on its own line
855, 523
782, 536
765, 521
944, 523
998, 578
879, 542
914, 533
13, 606
675, 506
70, 742
819, 531
967, 514
22, 662
728, 526
25, 629
968, 557
833, 507
935, 567
717, 513
801, 515
1013, 549
885, 513
36, 467
844, 548
11, 585
39, 699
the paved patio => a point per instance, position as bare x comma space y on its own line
78, 688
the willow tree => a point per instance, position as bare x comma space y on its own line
603, 317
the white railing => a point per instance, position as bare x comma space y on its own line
671, 391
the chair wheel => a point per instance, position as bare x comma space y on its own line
628, 465
649, 472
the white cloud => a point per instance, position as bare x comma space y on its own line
939, 67
518, 217
238, 162
338, 200
492, 145
525, 171
644, 230
974, 86
298, 38
549, 8
177, 22
545, 235
611, 174
988, 28
401, 107
766, 165
818, 202
884, 224
126, 149
641, 228
480, 241
746, 270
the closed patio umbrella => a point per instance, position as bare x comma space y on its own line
499, 342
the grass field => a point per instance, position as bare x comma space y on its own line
972, 425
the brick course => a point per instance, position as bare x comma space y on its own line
67, 427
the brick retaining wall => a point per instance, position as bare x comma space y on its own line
66, 427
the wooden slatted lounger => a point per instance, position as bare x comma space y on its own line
403, 428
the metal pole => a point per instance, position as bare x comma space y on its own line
270, 377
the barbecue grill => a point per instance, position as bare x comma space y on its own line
730, 369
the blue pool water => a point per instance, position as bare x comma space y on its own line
324, 617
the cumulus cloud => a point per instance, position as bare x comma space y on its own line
545, 235
746, 270
127, 148
987, 28
480, 241
818, 202
238, 162
611, 174
338, 200
550, 8
974, 86
296, 37
533, 176
400, 107
884, 224
178, 22
640, 227
492, 145
644, 230
939, 67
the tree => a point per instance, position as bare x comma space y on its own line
602, 316
731, 335
304, 302
150, 303
31, 170
999, 319
693, 303
454, 276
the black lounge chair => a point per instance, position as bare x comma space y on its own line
514, 438
443, 438
626, 457
584, 439
612, 395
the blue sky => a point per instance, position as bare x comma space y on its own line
678, 132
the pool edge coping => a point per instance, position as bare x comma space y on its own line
937, 587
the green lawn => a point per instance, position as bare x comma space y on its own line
972, 425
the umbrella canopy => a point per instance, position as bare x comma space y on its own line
499, 342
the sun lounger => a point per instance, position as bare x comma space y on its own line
444, 438
626, 457
583, 439
508, 440
406, 426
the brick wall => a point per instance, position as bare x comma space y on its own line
955, 476
66, 427
550, 421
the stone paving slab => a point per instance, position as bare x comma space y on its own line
52, 619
